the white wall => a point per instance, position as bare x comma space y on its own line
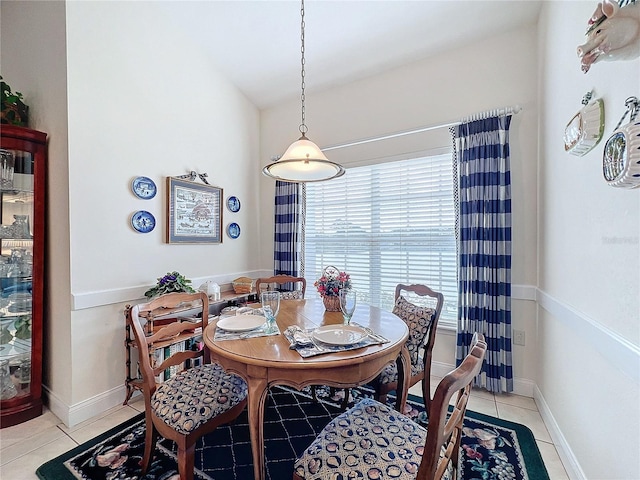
142, 100
589, 289
429, 92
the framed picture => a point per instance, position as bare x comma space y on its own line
194, 211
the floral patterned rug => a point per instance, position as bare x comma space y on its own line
491, 448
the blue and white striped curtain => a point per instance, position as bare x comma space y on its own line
286, 254
484, 246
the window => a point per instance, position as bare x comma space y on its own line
386, 224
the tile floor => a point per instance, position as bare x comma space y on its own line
23, 448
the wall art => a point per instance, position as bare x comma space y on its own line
194, 211
613, 33
621, 156
143, 222
144, 187
585, 129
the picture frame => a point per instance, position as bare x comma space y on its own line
194, 212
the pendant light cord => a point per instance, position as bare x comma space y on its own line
303, 127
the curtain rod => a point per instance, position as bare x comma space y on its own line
477, 116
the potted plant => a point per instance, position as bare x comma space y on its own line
171, 282
14, 110
329, 286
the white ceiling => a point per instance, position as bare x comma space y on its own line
256, 44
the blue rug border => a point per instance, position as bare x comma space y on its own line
54, 469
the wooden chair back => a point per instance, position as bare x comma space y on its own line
435, 300
445, 429
162, 322
263, 284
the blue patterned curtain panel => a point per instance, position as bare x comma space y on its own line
484, 246
287, 227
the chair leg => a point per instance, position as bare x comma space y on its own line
186, 461
381, 397
313, 393
345, 400
426, 393
150, 439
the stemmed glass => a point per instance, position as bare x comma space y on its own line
348, 302
270, 306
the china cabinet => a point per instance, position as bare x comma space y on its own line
23, 162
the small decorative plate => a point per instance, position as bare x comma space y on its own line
143, 222
233, 230
233, 204
144, 187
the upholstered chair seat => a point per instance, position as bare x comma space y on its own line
370, 440
193, 397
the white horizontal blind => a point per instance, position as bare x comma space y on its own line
386, 224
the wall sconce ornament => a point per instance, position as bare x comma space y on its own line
621, 156
613, 33
585, 129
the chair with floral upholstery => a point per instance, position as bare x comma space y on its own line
372, 440
196, 399
263, 284
422, 321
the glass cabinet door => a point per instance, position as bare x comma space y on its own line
16, 267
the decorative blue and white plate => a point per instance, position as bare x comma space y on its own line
143, 222
233, 204
144, 187
233, 230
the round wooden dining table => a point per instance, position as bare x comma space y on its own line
267, 361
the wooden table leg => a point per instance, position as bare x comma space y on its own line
403, 363
256, 398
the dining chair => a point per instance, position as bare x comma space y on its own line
196, 399
263, 284
422, 320
372, 440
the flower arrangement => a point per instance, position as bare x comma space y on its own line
171, 282
332, 281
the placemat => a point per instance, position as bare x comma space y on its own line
311, 348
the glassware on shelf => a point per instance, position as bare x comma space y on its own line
7, 388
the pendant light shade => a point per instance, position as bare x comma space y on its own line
303, 161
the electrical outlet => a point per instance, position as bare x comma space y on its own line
518, 337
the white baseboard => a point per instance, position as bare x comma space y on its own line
72, 415
569, 460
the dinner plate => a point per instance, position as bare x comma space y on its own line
241, 323
339, 334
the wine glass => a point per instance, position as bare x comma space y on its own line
348, 302
270, 306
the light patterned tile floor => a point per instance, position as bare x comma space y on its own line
23, 448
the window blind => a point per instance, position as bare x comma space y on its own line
386, 224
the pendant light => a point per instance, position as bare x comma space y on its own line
303, 161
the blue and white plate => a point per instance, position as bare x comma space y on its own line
144, 187
233, 230
233, 204
143, 222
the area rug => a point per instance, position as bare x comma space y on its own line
491, 448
